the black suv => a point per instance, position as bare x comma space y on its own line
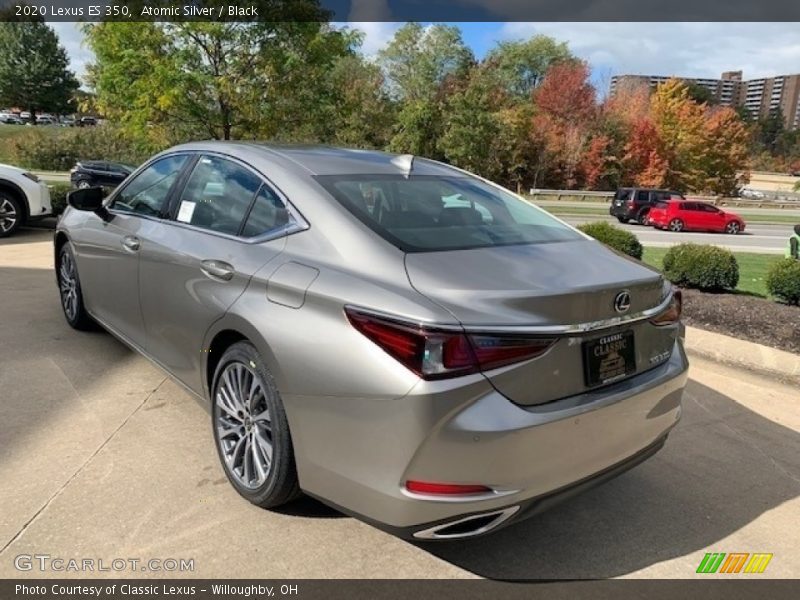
98, 173
633, 204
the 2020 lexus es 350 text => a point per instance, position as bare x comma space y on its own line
399, 338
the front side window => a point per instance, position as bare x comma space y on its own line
217, 195
147, 193
432, 213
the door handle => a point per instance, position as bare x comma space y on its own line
217, 269
130, 242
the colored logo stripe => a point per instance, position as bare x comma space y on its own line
758, 563
710, 562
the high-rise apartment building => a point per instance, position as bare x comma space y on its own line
758, 96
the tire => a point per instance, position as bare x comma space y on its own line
245, 433
733, 228
622, 220
675, 225
12, 214
83, 184
641, 216
69, 288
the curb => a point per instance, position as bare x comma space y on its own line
739, 353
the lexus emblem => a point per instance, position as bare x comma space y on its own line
622, 301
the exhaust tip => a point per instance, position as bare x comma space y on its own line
467, 526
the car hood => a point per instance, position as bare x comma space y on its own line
562, 283
11, 168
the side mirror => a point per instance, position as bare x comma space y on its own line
90, 199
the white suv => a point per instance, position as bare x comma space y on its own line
23, 198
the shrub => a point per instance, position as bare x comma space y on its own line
58, 197
701, 266
46, 151
783, 280
615, 237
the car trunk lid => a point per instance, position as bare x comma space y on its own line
565, 289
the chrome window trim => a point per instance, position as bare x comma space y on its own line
576, 328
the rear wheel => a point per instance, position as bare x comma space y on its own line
250, 429
733, 227
69, 287
676, 225
622, 220
642, 216
11, 214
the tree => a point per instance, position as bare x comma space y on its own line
422, 66
566, 111
34, 72
471, 126
217, 79
419, 59
700, 93
680, 124
726, 138
522, 65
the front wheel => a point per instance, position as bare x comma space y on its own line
733, 228
676, 225
83, 184
69, 287
250, 429
11, 215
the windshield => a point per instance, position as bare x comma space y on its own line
431, 213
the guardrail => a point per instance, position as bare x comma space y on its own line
53, 176
589, 196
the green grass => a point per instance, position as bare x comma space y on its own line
753, 268
590, 211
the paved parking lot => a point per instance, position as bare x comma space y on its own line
103, 457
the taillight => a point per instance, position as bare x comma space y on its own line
445, 489
671, 314
434, 353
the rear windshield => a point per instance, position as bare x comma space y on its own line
660, 205
432, 213
622, 194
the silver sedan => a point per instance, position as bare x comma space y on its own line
405, 341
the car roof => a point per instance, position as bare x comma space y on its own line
325, 160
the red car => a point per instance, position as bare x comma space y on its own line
690, 215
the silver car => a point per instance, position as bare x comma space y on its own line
407, 342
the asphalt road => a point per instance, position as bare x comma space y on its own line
102, 457
761, 238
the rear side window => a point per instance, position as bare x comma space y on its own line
433, 213
269, 213
147, 193
622, 194
642, 196
217, 195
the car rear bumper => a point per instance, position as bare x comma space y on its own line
530, 456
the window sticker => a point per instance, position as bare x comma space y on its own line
186, 211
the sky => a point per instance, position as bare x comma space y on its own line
685, 49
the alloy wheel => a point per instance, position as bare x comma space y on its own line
732, 227
8, 215
83, 184
68, 285
676, 225
244, 425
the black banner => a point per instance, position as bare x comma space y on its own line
402, 10
712, 589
